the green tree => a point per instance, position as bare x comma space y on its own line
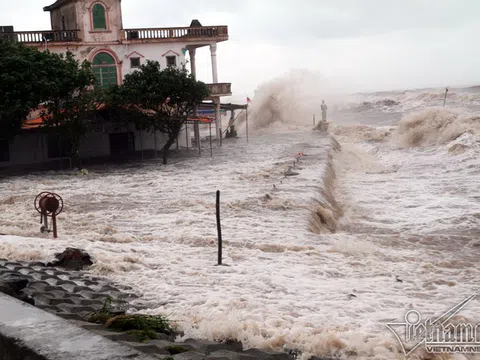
72, 102
160, 99
24, 84
29, 77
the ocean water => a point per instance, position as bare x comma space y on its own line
382, 217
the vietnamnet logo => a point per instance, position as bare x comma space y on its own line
438, 335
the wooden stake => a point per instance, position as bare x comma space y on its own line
211, 148
219, 229
246, 121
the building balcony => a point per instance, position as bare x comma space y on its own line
32, 37
220, 89
206, 33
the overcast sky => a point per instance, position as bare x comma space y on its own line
364, 45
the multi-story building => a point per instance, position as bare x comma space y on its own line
93, 30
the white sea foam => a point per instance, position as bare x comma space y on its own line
404, 101
406, 211
435, 126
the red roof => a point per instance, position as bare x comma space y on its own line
35, 119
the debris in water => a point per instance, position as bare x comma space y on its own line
290, 172
267, 197
71, 258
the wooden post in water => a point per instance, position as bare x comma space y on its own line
197, 137
246, 120
219, 229
445, 99
211, 148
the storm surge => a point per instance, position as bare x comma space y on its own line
287, 103
432, 126
435, 126
290, 100
326, 210
328, 236
401, 101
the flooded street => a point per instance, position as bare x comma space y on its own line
408, 237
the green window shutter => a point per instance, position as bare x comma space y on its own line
98, 76
103, 59
99, 17
105, 70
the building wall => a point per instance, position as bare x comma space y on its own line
32, 147
65, 15
96, 144
78, 16
146, 141
152, 51
28, 149
114, 21
123, 53
183, 139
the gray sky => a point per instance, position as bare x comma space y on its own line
359, 45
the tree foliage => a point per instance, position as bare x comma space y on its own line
29, 77
72, 102
25, 80
152, 98
158, 99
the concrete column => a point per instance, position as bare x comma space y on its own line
218, 121
232, 118
213, 51
193, 64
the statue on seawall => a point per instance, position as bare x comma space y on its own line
323, 125
324, 111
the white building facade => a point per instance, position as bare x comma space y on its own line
93, 30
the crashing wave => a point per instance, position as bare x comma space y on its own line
374, 105
363, 132
462, 144
433, 126
409, 100
289, 100
327, 211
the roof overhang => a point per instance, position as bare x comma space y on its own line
228, 107
56, 5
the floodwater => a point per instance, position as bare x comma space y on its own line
318, 261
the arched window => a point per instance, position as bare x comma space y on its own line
105, 70
99, 17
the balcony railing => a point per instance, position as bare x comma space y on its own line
220, 89
192, 33
184, 33
41, 36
